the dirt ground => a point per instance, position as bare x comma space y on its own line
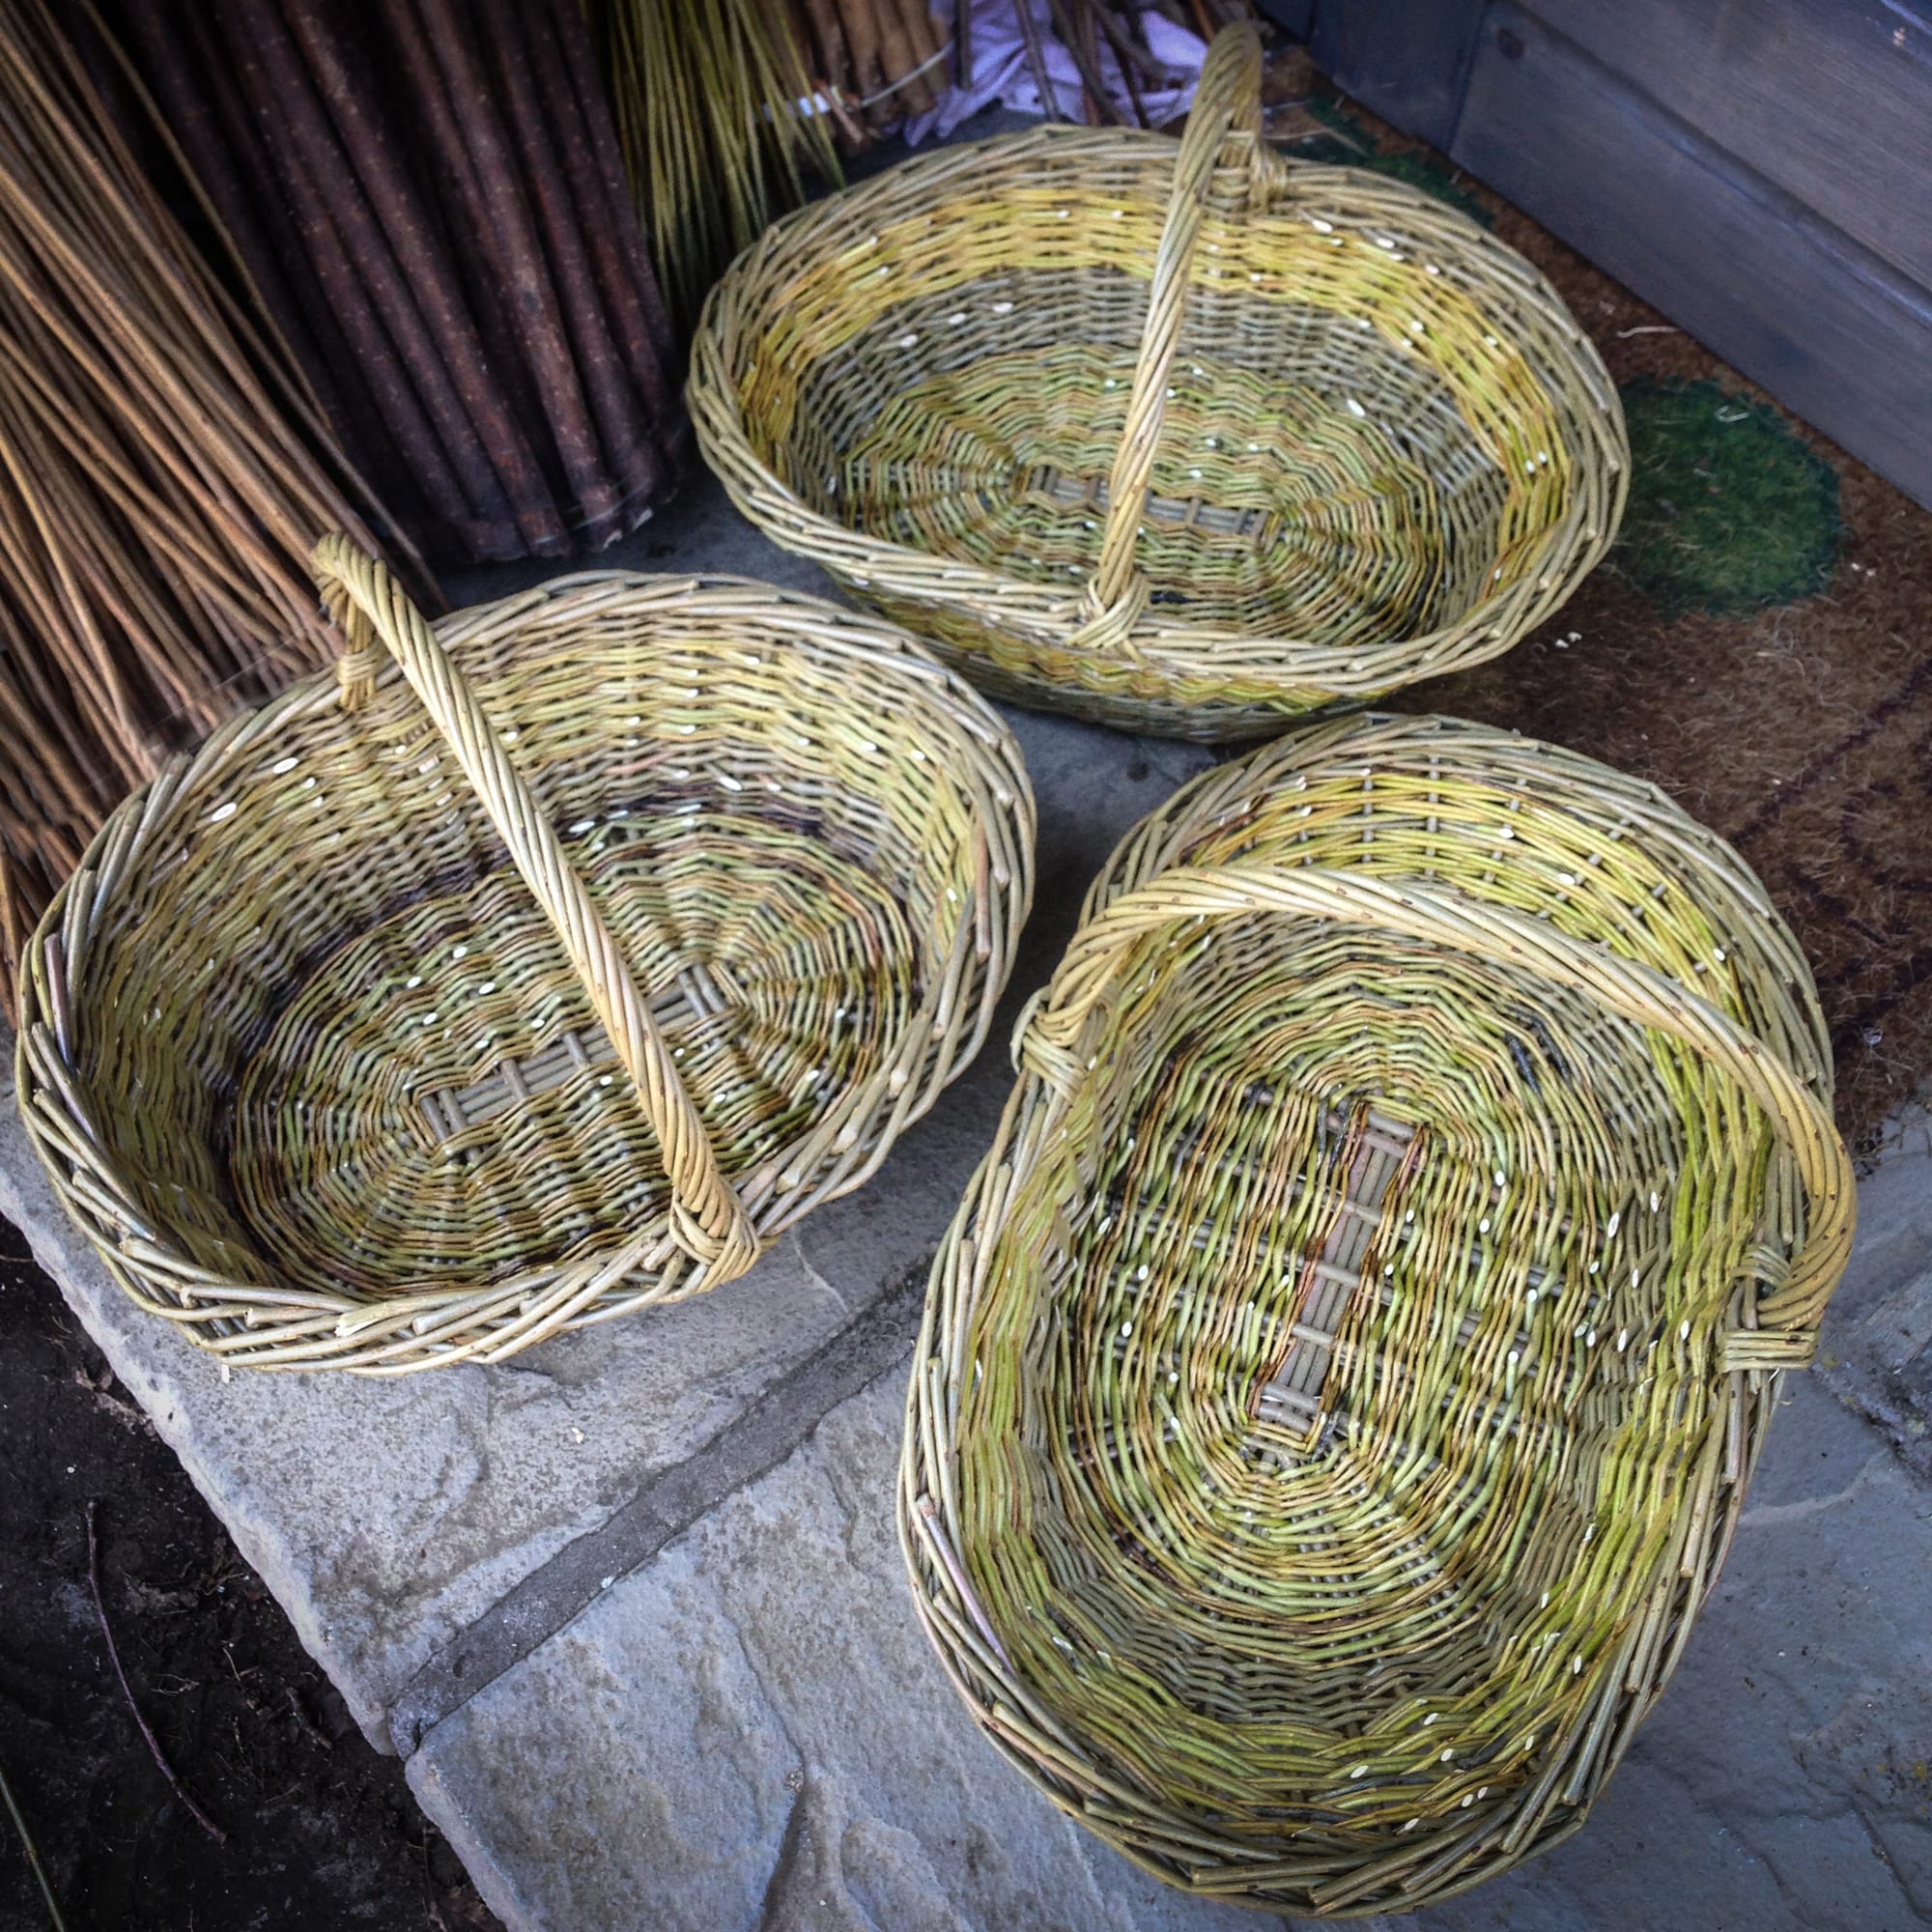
322, 1831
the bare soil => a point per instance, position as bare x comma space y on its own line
322, 1831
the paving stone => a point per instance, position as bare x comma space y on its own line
752, 1731
1876, 1352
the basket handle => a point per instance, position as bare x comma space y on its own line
1049, 1029
708, 1220
1227, 114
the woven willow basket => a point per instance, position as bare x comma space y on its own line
1183, 441
1337, 1390
525, 973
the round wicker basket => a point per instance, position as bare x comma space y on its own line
520, 974
1337, 1390
1186, 440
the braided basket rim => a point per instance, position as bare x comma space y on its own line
1021, 608
237, 1319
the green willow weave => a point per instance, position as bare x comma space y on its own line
520, 973
1337, 1390
1183, 440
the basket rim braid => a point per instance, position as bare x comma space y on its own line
1454, 325
921, 842
1328, 1561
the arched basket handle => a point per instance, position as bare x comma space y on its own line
708, 1220
1223, 130
1048, 1039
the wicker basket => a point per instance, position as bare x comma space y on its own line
1337, 1390
344, 1056
1345, 441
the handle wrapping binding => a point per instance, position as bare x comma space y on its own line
1049, 1036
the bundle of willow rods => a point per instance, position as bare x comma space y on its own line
708, 99
432, 200
726, 109
159, 485
1084, 27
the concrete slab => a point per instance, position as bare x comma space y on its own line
752, 1732
1878, 1353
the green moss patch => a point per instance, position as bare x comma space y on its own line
1729, 510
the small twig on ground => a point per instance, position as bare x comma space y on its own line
437, 1918
33, 1856
1648, 329
306, 1722
194, 1810
1049, 101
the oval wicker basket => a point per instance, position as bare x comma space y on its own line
1186, 440
1338, 1388
355, 1044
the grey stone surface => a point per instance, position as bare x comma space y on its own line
1785, 1779
752, 1732
1876, 1352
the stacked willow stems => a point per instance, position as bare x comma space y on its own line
708, 96
432, 200
159, 490
1084, 28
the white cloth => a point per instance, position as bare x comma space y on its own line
1002, 71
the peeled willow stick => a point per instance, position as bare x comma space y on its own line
819, 22
158, 497
869, 74
923, 49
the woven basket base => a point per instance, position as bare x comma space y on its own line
782, 984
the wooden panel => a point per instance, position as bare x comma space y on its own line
1827, 327
1830, 99
1407, 59
1296, 16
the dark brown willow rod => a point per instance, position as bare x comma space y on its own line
621, 462
436, 187
163, 476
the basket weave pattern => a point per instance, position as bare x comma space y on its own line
1337, 1390
1186, 440
543, 973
